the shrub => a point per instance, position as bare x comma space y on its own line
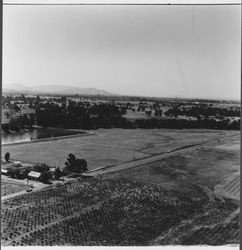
41, 168
57, 173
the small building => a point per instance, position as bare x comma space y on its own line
33, 175
4, 171
52, 170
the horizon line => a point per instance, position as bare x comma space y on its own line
128, 95
131, 4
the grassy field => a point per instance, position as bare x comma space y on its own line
11, 186
107, 147
215, 165
169, 202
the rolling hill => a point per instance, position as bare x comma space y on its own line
53, 89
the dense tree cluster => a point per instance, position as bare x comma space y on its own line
18, 173
19, 122
74, 165
87, 112
200, 110
185, 123
80, 115
41, 168
108, 115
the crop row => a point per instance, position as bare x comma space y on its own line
101, 212
115, 222
221, 234
103, 203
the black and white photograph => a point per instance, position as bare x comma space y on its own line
120, 123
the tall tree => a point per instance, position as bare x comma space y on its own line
7, 156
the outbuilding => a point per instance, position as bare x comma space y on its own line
33, 175
4, 171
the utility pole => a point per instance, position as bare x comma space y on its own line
134, 157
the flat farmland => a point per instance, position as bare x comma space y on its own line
109, 147
11, 186
215, 165
167, 202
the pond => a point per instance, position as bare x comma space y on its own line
35, 134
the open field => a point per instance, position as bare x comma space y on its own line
168, 202
108, 147
11, 186
214, 165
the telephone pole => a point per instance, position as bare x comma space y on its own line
134, 157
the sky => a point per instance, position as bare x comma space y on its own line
161, 51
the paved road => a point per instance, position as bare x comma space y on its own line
154, 158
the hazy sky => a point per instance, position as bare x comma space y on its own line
191, 51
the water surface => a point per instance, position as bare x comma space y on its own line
35, 134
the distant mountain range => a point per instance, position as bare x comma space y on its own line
53, 89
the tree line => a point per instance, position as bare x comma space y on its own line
86, 115
83, 115
198, 111
187, 124
80, 115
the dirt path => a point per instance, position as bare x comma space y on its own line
22, 192
37, 188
